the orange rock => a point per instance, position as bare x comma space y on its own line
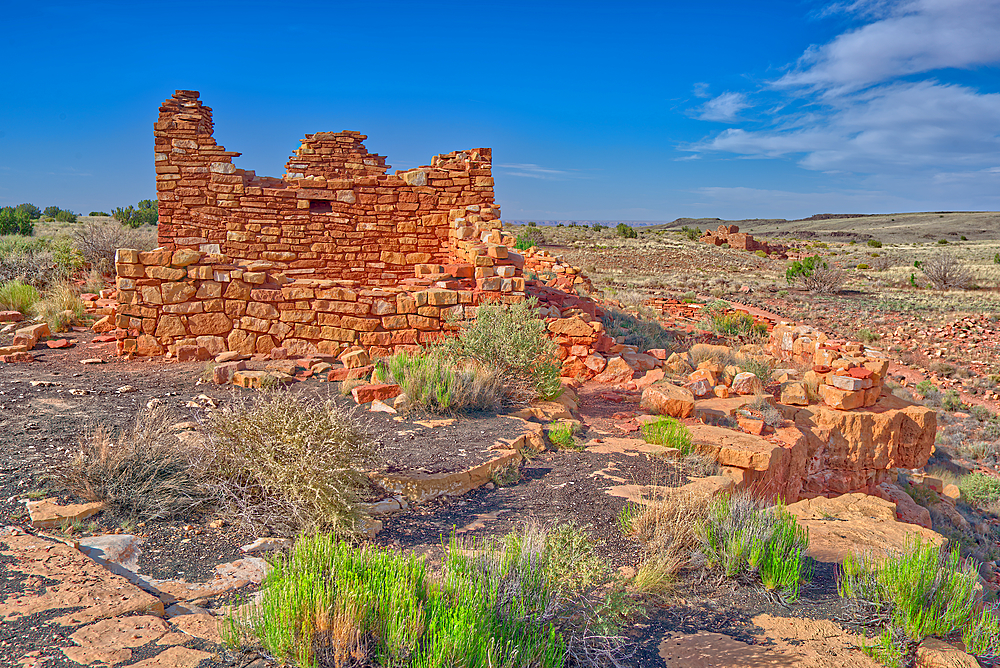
366, 393
667, 399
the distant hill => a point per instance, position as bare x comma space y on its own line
887, 227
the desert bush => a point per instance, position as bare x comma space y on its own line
525, 599
979, 489
146, 213
758, 365
98, 240
66, 217
60, 306
874, 243
506, 475
744, 538
762, 408
529, 237
667, 528
14, 221
701, 352
925, 591
16, 296
437, 383
283, 463
668, 432
692, 233
625, 231
562, 435
736, 325
882, 262
946, 272
511, 339
951, 401
98, 213
816, 275
142, 471
645, 333
32, 211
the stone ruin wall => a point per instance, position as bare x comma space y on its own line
335, 254
730, 234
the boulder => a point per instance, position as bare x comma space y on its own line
668, 399
794, 393
934, 653
381, 391
747, 383
907, 510
616, 372
678, 364
355, 359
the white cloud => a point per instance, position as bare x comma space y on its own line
724, 108
701, 90
532, 171
897, 127
914, 36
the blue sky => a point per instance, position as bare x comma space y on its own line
594, 111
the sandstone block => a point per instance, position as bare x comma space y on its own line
209, 323
793, 393
747, 383
364, 394
355, 359
841, 399
48, 513
345, 373
667, 399
11, 316
849, 383
616, 372
184, 257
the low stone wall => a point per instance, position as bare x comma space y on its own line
731, 235
844, 374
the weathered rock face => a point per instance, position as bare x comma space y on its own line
861, 523
820, 451
852, 451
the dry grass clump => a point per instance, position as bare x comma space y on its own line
60, 306
434, 382
703, 352
285, 463
141, 471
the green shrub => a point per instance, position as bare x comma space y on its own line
60, 306
66, 217
597, 227
866, 335
15, 221
437, 383
692, 233
670, 433
16, 296
979, 488
996, 258
526, 599
562, 436
529, 237
98, 213
951, 401
32, 211
925, 591
761, 253
511, 339
874, 243
732, 323
863, 266
625, 231
943, 241
742, 537
278, 462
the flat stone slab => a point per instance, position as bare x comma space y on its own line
47, 513
79, 582
111, 641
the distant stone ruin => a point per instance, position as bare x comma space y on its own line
337, 253
730, 234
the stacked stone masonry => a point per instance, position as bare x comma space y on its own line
336, 253
730, 234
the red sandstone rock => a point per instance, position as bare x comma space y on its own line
751, 425
11, 316
616, 372
17, 357
343, 373
222, 374
192, 354
667, 399
366, 393
747, 383
907, 510
59, 343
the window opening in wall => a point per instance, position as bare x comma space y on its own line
320, 206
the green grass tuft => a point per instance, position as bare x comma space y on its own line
668, 432
16, 296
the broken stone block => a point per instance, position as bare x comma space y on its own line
48, 513
192, 354
701, 387
355, 359
29, 336
116, 552
616, 371
364, 394
11, 316
849, 383
793, 393
344, 373
223, 373
841, 399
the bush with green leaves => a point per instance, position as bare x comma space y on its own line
692, 233
15, 221
668, 432
625, 231
98, 213
66, 217
758, 365
513, 340
874, 243
533, 598
145, 213
33, 212
979, 489
529, 237
815, 275
563, 436
435, 382
925, 591
743, 537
